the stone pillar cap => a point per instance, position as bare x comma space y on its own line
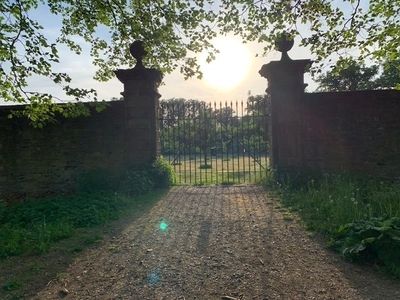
294, 66
139, 71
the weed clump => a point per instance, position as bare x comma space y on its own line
373, 240
359, 216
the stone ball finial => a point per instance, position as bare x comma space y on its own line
283, 44
139, 71
137, 51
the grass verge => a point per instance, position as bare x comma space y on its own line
32, 227
39, 237
360, 217
43, 255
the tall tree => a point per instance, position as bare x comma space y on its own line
390, 77
348, 75
186, 124
173, 109
174, 30
258, 104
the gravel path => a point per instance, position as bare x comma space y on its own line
221, 243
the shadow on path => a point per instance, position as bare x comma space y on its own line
216, 241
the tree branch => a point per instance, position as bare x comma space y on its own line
353, 15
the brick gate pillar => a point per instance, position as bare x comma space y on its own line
286, 88
141, 99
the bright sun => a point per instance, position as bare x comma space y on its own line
230, 66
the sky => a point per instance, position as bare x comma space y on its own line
174, 85
253, 83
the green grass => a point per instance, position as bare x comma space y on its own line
337, 200
11, 286
39, 237
33, 226
357, 215
28, 271
218, 170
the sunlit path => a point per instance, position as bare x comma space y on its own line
212, 242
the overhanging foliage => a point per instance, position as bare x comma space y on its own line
174, 31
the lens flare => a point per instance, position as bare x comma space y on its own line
153, 278
163, 226
230, 66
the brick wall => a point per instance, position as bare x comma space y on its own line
356, 131
34, 162
347, 131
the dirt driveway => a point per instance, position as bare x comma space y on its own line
216, 243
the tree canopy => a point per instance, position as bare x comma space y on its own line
350, 75
174, 30
390, 77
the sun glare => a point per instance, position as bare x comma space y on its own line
230, 66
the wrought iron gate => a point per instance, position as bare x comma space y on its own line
214, 143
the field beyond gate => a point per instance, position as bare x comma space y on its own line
215, 143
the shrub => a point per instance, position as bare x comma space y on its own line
205, 166
140, 180
163, 173
136, 181
376, 240
131, 181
